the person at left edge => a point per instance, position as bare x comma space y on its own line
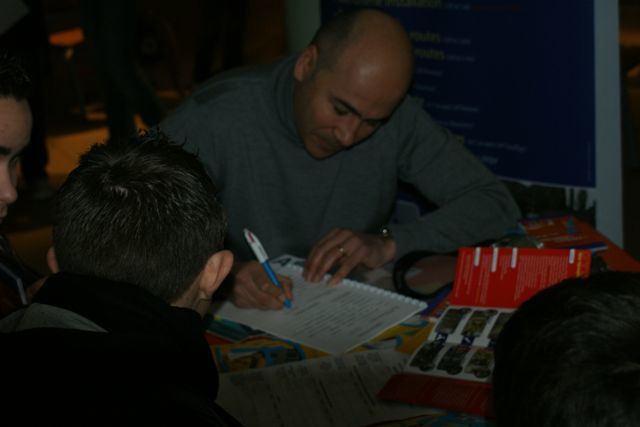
15, 131
115, 336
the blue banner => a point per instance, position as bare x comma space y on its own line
514, 79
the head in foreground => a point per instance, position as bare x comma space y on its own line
142, 211
570, 356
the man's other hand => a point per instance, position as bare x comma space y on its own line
346, 249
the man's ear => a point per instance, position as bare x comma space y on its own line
52, 261
306, 63
214, 272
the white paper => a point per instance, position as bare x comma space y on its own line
332, 319
328, 391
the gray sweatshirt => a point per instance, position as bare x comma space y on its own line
242, 126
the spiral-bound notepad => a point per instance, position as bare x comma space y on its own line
332, 319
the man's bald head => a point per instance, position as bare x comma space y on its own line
349, 80
365, 36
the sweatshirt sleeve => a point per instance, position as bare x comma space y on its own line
473, 205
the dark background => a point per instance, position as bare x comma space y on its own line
166, 45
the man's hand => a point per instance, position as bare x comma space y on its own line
253, 289
347, 249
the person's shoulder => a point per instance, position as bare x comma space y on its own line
233, 83
237, 98
409, 118
37, 315
412, 106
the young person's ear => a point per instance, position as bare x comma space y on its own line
214, 272
52, 261
306, 63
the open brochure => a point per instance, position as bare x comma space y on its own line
452, 368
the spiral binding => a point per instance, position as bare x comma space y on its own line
365, 287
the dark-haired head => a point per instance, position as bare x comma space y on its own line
15, 126
570, 356
140, 210
14, 81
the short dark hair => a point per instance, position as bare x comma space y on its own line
139, 210
570, 356
14, 81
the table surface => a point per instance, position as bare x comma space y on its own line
250, 350
583, 233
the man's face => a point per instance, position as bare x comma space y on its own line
336, 108
15, 131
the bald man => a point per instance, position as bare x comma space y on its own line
308, 153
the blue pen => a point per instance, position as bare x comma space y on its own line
263, 259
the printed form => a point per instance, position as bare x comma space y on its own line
335, 391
